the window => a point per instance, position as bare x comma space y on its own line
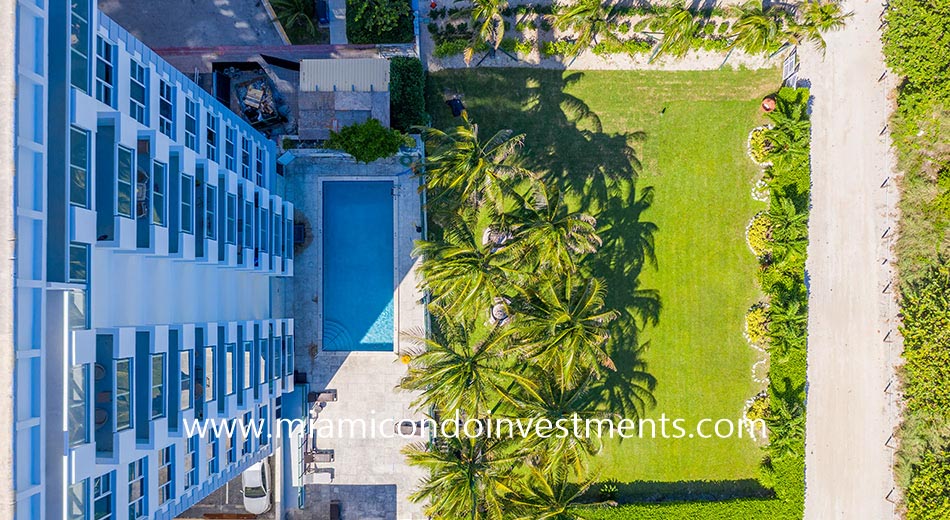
211, 221
187, 204
78, 309
277, 242
265, 432
289, 239
262, 358
230, 136
259, 166
249, 225
191, 463
246, 446
275, 344
211, 141
159, 171
158, 384
78, 167
105, 71
246, 158
191, 124
78, 409
230, 224
79, 45
78, 262
123, 394
76, 501
229, 368
230, 447
124, 193
211, 452
248, 359
166, 108
166, 477
138, 502
184, 378
289, 359
264, 221
138, 78
209, 373
102, 500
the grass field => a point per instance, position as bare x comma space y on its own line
683, 134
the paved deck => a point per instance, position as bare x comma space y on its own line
187, 23
337, 21
371, 477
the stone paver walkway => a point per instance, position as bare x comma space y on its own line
337, 22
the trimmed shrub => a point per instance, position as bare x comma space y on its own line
758, 233
758, 408
759, 145
757, 324
367, 141
449, 48
379, 21
927, 496
407, 104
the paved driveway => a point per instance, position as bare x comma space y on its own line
194, 23
850, 416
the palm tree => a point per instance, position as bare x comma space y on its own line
627, 391
814, 19
466, 476
588, 20
679, 27
551, 237
789, 230
467, 169
461, 374
756, 30
553, 402
295, 12
786, 421
546, 495
787, 327
487, 17
563, 324
462, 273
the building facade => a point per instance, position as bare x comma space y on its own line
149, 231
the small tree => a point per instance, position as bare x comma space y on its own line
367, 141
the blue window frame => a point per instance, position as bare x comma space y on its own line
259, 166
289, 359
138, 499
230, 224
158, 385
123, 394
187, 204
79, 45
229, 368
230, 444
78, 405
186, 369
166, 475
191, 463
78, 263
211, 206
79, 167
209, 373
159, 176
76, 500
191, 124
265, 429
211, 136
124, 186
166, 108
276, 342
248, 363
138, 98
246, 158
246, 445
230, 148
103, 501
211, 453
105, 71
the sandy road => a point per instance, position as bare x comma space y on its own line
850, 416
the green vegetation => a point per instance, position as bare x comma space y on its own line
672, 29
296, 17
916, 46
367, 141
406, 99
614, 164
379, 21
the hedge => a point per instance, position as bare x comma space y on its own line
379, 21
406, 98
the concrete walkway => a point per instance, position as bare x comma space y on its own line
337, 22
850, 363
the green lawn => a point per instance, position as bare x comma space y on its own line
683, 134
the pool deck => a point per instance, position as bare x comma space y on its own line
371, 479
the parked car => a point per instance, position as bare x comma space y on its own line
257, 488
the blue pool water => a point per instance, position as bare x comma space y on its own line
358, 279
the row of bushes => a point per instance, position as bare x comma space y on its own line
915, 46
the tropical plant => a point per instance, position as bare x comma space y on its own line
367, 141
551, 237
379, 21
915, 42
788, 320
758, 234
463, 272
293, 13
814, 18
589, 20
786, 422
546, 495
789, 229
466, 476
757, 324
680, 28
756, 30
563, 326
489, 23
465, 169
461, 373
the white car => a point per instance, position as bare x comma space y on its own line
256, 488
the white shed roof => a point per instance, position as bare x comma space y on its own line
357, 74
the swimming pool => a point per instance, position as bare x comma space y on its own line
358, 278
